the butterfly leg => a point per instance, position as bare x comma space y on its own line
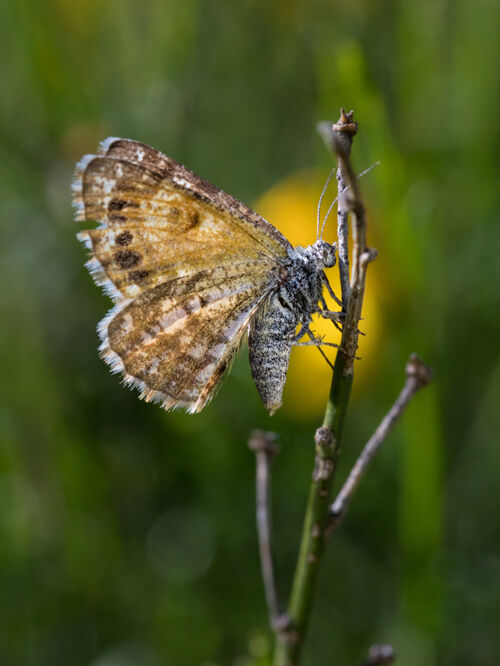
331, 292
316, 341
338, 315
332, 315
335, 317
294, 340
318, 347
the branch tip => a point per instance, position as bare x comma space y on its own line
416, 368
378, 655
282, 624
338, 136
369, 255
346, 123
265, 442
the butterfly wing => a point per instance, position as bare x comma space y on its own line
175, 341
160, 221
186, 264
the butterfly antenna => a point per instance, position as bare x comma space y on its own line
321, 200
360, 175
370, 168
326, 216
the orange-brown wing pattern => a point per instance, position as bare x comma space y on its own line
159, 221
174, 342
186, 264
140, 154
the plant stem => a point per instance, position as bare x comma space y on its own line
290, 640
265, 448
289, 643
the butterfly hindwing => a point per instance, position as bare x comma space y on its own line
175, 341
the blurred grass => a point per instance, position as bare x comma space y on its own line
100, 491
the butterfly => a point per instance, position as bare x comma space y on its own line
192, 273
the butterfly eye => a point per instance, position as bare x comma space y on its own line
329, 255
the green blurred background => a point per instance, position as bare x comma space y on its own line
126, 534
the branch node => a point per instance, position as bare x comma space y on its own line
378, 655
419, 370
369, 255
261, 441
324, 442
282, 624
323, 436
337, 511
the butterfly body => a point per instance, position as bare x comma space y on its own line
292, 304
191, 272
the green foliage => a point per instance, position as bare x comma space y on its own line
126, 534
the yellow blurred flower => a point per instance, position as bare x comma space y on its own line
291, 207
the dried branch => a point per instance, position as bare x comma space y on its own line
265, 448
340, 138
346, 129
361, 254
418, 375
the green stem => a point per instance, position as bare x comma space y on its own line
290, 638
289, 642
340, 390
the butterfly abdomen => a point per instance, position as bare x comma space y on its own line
269, 346
274, 331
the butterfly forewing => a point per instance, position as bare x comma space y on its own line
187, 265
268, 237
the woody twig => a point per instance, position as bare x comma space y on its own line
265, 448
343, 131
418, 375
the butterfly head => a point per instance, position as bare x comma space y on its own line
325, 252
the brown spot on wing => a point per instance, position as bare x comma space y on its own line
116, 204
174, 214
113, 215
125, 238
194, 221
138, 276
189, 307
127, 259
